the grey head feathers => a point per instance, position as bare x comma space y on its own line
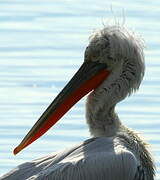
122, 51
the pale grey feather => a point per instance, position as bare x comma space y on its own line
97, 158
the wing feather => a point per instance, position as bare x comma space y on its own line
98, 158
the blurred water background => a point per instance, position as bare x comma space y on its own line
41, 46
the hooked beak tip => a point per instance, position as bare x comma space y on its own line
17, 150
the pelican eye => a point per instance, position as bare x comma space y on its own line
95, 53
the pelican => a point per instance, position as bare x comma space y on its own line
113, 68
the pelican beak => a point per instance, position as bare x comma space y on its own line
88, 77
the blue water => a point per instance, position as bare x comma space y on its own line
41, 46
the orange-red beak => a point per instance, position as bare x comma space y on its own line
88, 77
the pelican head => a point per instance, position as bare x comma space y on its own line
113, 67
121, 52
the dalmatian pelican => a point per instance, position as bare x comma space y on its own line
113, 68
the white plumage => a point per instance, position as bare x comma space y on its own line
115, 152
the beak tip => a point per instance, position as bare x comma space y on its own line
16, 150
